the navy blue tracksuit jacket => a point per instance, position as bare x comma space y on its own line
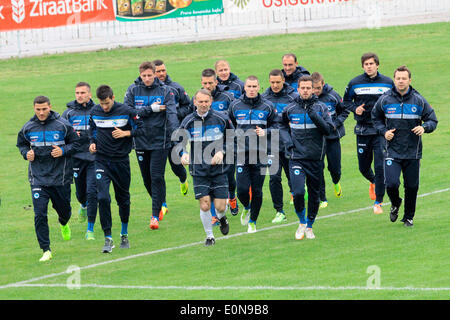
403, 113
102, 125
40, 136
202, 132
78, 116
363, 89
233, 85
158, 125
292, 79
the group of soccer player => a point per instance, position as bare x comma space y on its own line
231, 136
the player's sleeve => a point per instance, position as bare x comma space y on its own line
137, 125
349, 95
341, 111
378, 116
23, 144
428, 117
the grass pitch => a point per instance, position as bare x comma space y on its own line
172, 263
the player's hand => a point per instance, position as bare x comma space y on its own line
359, 110
30, 155
185, 159
260, 132
419, 130
157, 107
78, 133
389, 134
118, 133
93, 148
217, 159
56, 152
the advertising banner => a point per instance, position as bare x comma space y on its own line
35, 14
137, 10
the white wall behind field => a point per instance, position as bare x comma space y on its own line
240, 18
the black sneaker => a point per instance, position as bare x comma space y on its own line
408, 223
394, 211
210, 242
224, 226
124, 243
109, 245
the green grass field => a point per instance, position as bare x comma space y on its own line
172, 263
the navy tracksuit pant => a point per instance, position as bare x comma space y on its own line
85, 186
117, 172
309, 171
178, 169
410, 169
153, 165
60, 198
333, 153
275, 186
250, 175
370, 149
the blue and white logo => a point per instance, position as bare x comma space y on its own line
140, 158
269, 161
240, 169
413, 109
56, 136
221, 106
361, 150
261, 115
98, 176
389, 162
297, 172
36, 195
75, 174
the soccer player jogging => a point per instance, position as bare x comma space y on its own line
360, 96
253, 117
292, 71
112, 127
207, 132
46, 141
155, 104
228, 79
338, 113
402, 116
78, 113
183, 105
305, 123
280, 94
221, 102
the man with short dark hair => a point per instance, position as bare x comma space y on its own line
339, 114
47, 141
183, 105
253, 116
77, 113
402, 116
155, 104
305, 123
280, 94
228, 79
360, 96
292, 71
113, 125
207, 130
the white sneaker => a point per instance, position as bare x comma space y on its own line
46, 256
309, 233
300, 233
245, 216
251, 227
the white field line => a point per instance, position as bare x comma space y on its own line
191, 288
53, 275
